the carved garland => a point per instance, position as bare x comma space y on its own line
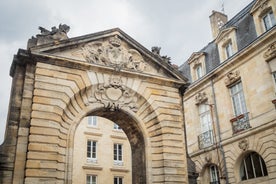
232, 77
271, 52
200, 98
114, 95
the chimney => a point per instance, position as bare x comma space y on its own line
217, 20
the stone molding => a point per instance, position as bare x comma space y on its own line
232, 77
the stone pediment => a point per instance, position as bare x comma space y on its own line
112, 48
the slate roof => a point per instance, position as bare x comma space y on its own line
246, 33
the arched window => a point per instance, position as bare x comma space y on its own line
214, 174
252, 166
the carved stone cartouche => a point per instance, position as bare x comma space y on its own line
112, 53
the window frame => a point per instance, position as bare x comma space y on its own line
118, 180
239, 107
199, 71
253, 165
216, 174
91, 177
91, 154
274, 78
228, 47
118, 154
92, 121
270, 20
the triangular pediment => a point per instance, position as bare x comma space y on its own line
259, 4
224, 33
112, 48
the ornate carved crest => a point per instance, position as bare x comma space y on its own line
200, 98
271, 52
49, 36
232, 77
243, 144
112, 53
115, 95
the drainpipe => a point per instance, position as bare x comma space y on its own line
192, 174
225, 174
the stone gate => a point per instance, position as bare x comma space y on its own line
58, 81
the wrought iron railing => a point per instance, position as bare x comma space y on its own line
240, 123
205, 139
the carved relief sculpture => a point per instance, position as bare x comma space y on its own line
112, 53
49, 36
200, 98
243, 144
115, 95
271, 52
232, 77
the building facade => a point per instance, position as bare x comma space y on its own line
102, 153
230, 111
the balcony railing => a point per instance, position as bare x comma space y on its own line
240, 123
205, 139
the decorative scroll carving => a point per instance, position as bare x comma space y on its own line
112, 53
232, 77
115, 95
243, 144
271, 52
200, 98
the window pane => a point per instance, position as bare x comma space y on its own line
238, 99
91, 179
257, 165
249, 167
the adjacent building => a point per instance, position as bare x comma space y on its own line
230, 104
101, 153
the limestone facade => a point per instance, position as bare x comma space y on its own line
108, 74
100, 164
230, 112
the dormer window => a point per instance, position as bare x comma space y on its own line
197, 65
229, 49
263, 13
269, 20
227, 43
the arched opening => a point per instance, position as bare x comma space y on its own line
211, 174
252, 166
126, 152
102, 152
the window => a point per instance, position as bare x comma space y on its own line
116, 127
91, 179
274, 77
229, 49
199, 72
91, 151
92, 121
252, 166
269, 20
118, 180
214, 175
238, 99
206, 136
118, 154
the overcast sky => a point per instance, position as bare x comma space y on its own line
179, 27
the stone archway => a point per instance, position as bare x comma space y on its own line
108, 74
